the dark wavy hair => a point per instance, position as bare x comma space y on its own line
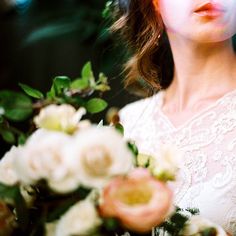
150, 66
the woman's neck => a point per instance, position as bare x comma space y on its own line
202, 71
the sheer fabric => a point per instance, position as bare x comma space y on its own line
207, 179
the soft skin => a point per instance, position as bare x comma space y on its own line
179, 18
199, 46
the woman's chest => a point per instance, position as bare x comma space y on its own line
207, 176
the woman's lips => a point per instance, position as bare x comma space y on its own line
209, 10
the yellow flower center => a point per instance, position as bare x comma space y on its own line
136, 195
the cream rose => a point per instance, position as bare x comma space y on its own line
81, 219
42, 158
165, 164
8, 175
60, 118
197, 224
97, 154
139, 201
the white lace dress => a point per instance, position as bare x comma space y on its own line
207, 179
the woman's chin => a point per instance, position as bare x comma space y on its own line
211, 35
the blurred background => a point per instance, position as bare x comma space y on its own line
40, 39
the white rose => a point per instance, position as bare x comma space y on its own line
197, 224
42, 158
60, 118
8, 175
81, 219
165, 164
97, 154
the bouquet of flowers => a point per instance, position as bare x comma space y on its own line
68, 176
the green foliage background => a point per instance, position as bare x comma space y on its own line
41, 39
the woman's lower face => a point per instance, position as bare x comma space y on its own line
203, 21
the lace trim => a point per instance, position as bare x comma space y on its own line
208, 175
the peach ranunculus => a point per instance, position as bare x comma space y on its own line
138, 200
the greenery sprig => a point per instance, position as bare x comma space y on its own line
83, 91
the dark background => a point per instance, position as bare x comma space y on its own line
40, 39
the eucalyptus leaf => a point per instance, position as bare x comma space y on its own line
31, 91
96, 105
17, 106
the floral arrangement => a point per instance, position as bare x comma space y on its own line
67, 176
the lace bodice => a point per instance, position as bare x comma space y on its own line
207, 179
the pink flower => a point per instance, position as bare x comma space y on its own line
139, 201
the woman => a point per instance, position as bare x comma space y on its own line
184, 49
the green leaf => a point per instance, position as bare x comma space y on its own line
111, 224
87, 70
7, 192
95, 105
87, 74
8, 136
60, 210
133, 148
31, 91
22, 139
119, 128
107, 11
80, 84
17, 106
60, 83
193, 211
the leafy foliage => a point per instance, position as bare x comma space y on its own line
175, 224
95, 105
31, 91
81, 91
16, 106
